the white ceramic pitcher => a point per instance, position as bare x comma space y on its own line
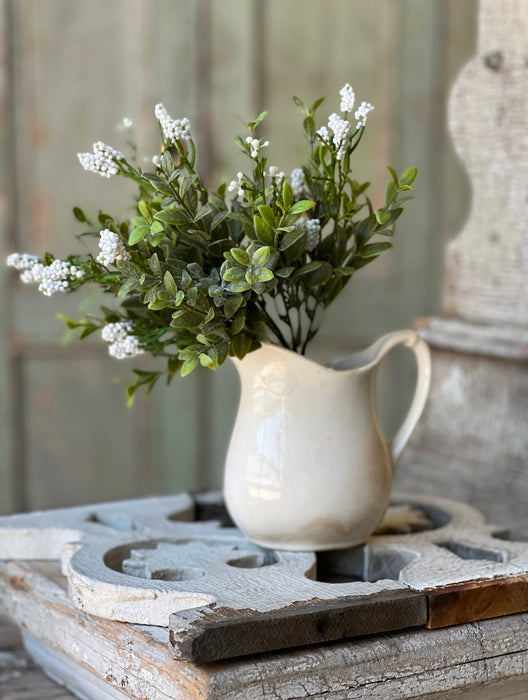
308, 467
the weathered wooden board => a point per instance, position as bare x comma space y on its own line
148, 562
472, 441
137, 660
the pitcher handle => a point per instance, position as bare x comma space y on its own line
410, 339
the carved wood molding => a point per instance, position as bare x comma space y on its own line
487, 264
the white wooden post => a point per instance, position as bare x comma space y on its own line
473, 440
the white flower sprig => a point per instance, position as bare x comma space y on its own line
341, 129
52, 278
112, 248
122, 342
298, 182
234, 185
102, 160
255, 145
361, 114
347, 98
173, 129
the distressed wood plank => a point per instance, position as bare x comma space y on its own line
412, 663
218, 634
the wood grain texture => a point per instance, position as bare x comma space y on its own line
487, 266
407, 664
479, 600
472, 441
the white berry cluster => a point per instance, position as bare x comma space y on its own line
341, 129
56, 277
313, 230
347, 98
21, 261
255, 145
323, 133
51, 278
122, 342
112, 248
102, 160
173, 129
362, 112
298, 182
234, 185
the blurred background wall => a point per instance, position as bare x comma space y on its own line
70, 71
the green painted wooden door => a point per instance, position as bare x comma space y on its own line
71, 70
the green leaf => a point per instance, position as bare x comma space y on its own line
409, 176
309, 128
393, 175
261, 256
264, 275
180, 296
188, 366
373, 250
382, 216
232, 305
293, 244
318, 272
241, 345
287, 195
267, 214
167, 163
301, 105
234, 274
239, 321
154, 264
252, 125
68, 321
265, 233
79, 215
236, 287
283, 272
144, 210
206, 361
241, 256
300, 207
127, 287
156, 227
156, 240
173, 215
170, 284
186, 318
138, 234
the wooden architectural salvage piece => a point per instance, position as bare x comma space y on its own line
433, 562
135, 661
161, 565
486, 265
472, 441
438, 549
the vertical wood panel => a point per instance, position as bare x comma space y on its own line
218, 63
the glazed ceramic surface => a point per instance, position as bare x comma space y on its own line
308, 467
